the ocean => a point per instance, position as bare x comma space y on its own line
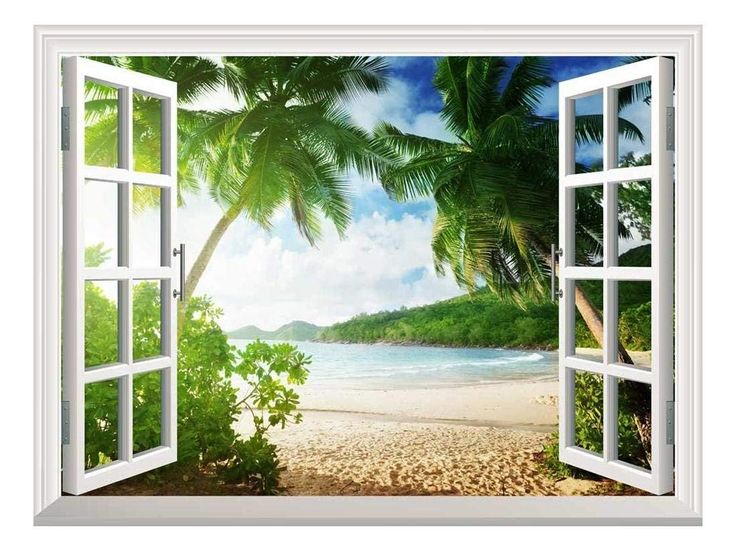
396, 366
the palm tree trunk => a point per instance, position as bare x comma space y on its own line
203, 260
593, 319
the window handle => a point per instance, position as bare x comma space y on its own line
555, 253
181, 251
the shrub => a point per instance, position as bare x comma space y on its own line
589, 424
208, 400
255, 463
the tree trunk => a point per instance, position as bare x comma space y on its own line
203, 259
592, 318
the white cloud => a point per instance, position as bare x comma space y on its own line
396, 105
267, 284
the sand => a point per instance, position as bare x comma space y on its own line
468, 440
343, 455
475, 440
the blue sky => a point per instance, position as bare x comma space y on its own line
385, 262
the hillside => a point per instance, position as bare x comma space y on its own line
477, 320
292, 331
482, 319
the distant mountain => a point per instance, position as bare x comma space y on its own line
293, 331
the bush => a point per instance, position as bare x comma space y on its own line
589, 424
208, 400
255, 463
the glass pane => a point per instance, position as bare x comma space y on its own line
100, 219
100, 423
145, 245
589, 133
635, 223
100, 124
635, 124
635, 423
589, 225
100, 323
587, 344
589, 411
635, 321
146, 411
146, 133
146, 319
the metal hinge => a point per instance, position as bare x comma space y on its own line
65, 129
670, 119
65, 422
670, 430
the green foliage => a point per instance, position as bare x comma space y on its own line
479, 319
208, 401
589, 424
268, 369
255, 463
483, 319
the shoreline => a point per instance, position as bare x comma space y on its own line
534, 348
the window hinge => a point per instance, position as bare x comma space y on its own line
65, 422
65, 129
670, 432
670, 118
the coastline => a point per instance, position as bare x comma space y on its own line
482, 439
475, 439
540, 348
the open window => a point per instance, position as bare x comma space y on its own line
645, 384
100, 190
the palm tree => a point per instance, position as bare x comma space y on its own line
291, 144
195, 77
494, 182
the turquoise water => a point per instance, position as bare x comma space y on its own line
391, 366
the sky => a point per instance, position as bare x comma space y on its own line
384, 262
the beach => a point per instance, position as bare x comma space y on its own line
408, 436
470, 440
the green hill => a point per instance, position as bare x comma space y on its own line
470, 320
293, 331
482, 319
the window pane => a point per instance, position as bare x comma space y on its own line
146, 133
100, 423
100, 124
587, 345
635, 321
589, 411
146, 319
635, 124
100, 219
146, 227
588, 225
100, 323
635, 219
146, 411
635, 423
589, 133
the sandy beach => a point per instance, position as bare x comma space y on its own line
468, 440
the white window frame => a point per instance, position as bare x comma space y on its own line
684, 43
75, 479
659, 72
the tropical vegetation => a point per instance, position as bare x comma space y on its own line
483, 319
217, 386
494, 182
290, 145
